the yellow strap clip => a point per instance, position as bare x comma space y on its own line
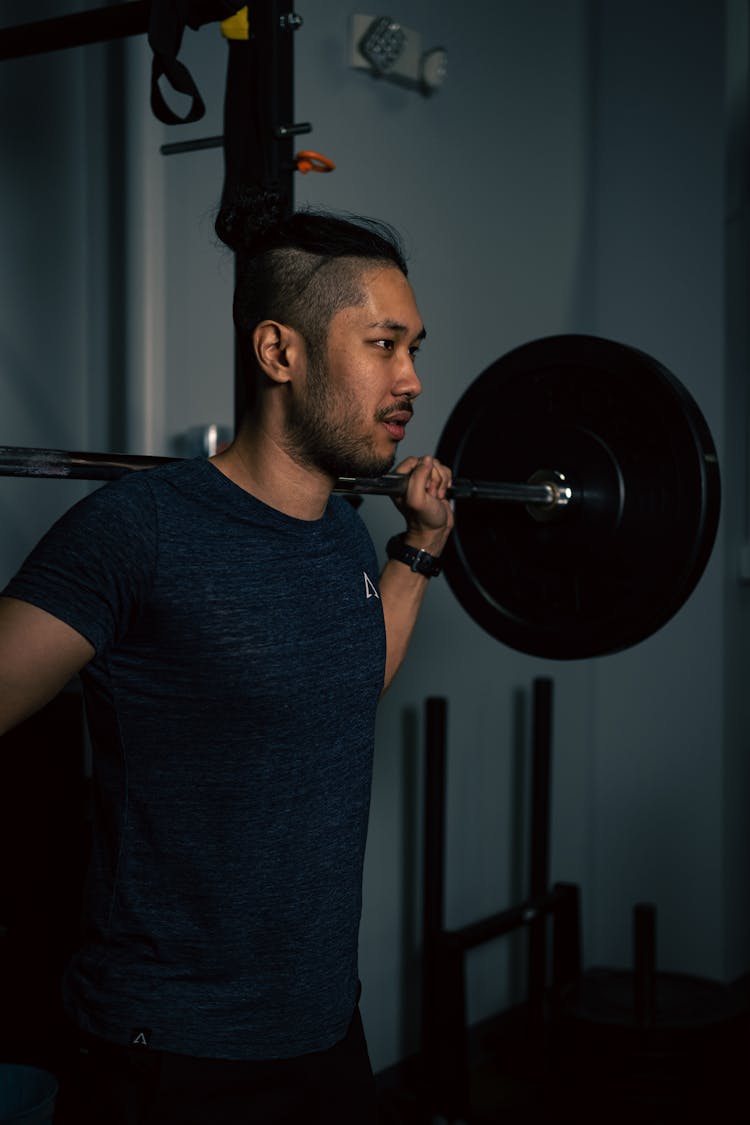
237, 26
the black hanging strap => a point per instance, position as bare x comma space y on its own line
167, 22
259, 98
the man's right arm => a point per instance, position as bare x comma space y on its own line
39, 654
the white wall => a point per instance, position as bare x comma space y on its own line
570, 177
736, 764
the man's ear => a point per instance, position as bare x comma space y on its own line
278, 350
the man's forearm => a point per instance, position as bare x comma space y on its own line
402, 592
429, 520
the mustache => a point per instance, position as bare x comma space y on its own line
404, 407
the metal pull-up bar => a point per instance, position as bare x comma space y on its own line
76, 30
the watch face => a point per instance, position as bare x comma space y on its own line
427, 566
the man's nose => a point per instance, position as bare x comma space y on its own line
406, 383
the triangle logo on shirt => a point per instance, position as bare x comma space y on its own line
370, 591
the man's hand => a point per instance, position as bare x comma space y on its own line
428, 513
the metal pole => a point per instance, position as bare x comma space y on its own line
59, 463
394, 484
433, 889
539, 831
76, 30
21, 461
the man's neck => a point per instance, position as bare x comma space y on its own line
260, 465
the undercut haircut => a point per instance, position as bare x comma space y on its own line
299, 269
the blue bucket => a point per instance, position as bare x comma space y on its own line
27, 1095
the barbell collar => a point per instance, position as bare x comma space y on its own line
560, 494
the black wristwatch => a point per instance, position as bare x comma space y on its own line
421, 562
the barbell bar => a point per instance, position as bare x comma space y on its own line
623, 525
548, 492
23, 461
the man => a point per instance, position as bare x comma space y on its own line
233, 641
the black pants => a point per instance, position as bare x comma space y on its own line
116, 1085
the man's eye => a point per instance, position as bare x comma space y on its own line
414, 352
387, 344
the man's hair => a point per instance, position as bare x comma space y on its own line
299, 269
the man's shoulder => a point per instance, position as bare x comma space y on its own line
346, 518
144, 486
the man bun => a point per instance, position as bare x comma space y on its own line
251, 218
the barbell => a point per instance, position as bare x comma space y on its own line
594, 494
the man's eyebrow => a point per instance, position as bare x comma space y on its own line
395, 326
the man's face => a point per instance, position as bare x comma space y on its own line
358, 396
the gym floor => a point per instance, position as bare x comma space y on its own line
594, 1078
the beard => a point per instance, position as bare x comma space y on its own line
323, 433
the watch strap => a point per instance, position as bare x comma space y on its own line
421, 562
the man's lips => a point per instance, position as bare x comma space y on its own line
396, 422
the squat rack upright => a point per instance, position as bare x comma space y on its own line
259, 126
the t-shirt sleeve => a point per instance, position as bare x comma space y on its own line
94, 567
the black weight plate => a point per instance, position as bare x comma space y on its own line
625, 555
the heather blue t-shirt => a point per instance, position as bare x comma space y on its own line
231, 702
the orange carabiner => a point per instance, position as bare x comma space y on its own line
313, 162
